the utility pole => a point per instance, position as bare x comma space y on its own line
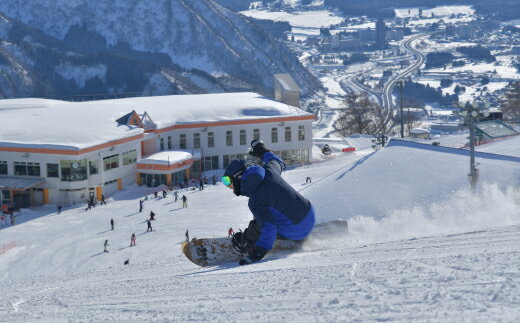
472, 114
400, 83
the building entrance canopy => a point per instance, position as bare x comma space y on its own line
19, 183
167, 162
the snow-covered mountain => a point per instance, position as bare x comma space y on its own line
154, 47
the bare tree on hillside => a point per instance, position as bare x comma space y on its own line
356, 116
361, 115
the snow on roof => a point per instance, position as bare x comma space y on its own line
419, 130
75, 125
167, 158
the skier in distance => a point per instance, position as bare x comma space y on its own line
278, 210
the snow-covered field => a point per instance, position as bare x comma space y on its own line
420, 247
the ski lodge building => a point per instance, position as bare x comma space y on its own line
61, 152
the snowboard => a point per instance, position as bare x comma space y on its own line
218, 251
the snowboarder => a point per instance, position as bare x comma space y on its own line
149, 226
152, 216
103, 200
132, 240
230, 232
59, 209
164, 194
184, 201
201, 185
106, 245
155, 194
308, 180
176, 195
140, 205
187, 234
126, 262
278, 210
112, 224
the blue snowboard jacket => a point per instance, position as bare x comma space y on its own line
276, 206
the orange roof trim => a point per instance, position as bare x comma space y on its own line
165, 167
70, 151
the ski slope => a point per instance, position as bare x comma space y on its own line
420, 247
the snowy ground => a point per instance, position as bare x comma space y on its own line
419, 248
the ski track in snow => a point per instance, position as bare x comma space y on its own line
411, 265
460, 277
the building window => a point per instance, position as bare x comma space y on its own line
73, 170
3, 168
210, 163
211, 140
129, 157
33, 169
93, 167
20, 168
229, 138
243, 139
256, 134
229, 158
301, 133
288, 134
182, 141
53, 170
274, 135
170, 143
26, 169
161, 144
196, 140
111, 162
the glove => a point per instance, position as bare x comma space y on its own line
256, 254
258, 148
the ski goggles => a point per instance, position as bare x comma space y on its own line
226, 180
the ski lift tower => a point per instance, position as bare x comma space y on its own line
472, 114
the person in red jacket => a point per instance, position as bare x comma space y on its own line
230, 232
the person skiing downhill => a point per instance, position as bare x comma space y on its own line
279, 211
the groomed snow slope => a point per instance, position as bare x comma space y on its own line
453, 257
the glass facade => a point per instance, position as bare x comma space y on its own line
130, 157
161, 144
170, 143
294, 156
152, 180
110, 162
73, 170
256, 133
196, 140
53, 170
